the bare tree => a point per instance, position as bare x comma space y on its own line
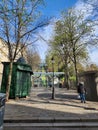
94, 5
19, 19
33, 59
91, 13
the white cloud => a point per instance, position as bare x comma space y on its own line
44, 36
94, 55
48, 33
87, 10
84, 8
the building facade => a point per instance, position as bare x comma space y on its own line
4, 55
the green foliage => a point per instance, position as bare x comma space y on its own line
70, 40
73, 78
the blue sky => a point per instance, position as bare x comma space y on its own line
54, 7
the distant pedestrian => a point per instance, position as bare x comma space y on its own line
60, 84
50, 84
82, 92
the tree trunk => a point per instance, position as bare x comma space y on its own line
9, 81
66, 79
76, 74
75, 65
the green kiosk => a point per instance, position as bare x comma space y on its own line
21, 79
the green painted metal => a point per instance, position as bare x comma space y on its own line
44, 78
48, 73
21, 79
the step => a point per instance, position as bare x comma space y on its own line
86, 124
50, 126
50, 120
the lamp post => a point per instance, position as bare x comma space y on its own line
53, 89
46, 68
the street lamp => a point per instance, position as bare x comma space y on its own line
46, 68
53, 89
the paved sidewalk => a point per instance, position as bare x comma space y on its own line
40, 106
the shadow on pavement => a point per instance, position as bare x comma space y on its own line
40, 105
17, 111
62, 103
62, 96
61, 99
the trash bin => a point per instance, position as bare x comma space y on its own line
2, 108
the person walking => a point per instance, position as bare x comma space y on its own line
82, 92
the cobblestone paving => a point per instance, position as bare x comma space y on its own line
40, 105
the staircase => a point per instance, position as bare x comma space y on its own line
51, 124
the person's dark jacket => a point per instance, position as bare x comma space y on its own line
81, 88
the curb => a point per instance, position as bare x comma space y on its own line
50, 120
